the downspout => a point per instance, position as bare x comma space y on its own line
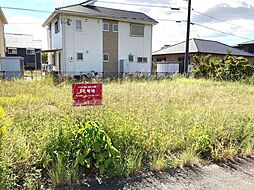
63, 45
151, 50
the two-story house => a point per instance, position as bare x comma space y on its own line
247, 46
84, 37
23, 45
3, 21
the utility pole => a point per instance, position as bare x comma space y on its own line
186, 58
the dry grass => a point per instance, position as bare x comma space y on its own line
154, 119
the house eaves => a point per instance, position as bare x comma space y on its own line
247, 43
2, 17
214, 47
203, 46
178, 48
91, 11
49, 19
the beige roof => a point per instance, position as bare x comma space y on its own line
2, 17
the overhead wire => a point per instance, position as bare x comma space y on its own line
144, 5
141, 5
229, 34
221, 20
25, 9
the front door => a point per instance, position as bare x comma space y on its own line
181, 64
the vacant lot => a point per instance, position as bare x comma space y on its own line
153, 125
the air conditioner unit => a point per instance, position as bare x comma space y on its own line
71, 59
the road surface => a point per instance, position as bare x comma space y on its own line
234, 175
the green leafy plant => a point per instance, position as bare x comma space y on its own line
94, 148
229, 68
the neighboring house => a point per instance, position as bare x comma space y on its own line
3, 21
247, 46
200, 47
23, 45
84, 37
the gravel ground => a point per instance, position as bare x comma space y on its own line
235, 175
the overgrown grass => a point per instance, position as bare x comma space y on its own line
153, 124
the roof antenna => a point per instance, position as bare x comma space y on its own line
89, 2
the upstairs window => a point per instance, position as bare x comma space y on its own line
115, 28
12, 51
80, 56
78, 25
142, 60
131, 58
105, 27
57, 27
137, 30
105, 57
30, 51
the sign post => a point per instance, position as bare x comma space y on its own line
87, 94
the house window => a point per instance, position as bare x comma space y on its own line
78, 25
142, 60
57, 27
115, 28
12, 51
105, 27
131, 58
137, 30
80, 56
105, 57
30, 51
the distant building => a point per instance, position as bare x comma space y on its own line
173, 56
3, 21
84, 37
247, 46
23, 45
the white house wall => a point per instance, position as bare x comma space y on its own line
2, 49
56, 38
88, 41
137, 46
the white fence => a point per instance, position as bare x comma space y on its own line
171, 68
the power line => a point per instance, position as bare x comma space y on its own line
170, 20
221, 20
142, 5
36, 23
24, 9
230, 34
180, 21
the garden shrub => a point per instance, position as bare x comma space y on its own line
82, 145
229, 68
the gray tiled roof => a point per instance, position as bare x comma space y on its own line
203, 46
247, 43
96, 11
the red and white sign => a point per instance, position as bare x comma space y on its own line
87, 94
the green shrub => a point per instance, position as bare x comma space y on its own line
94, 148
79, 145
229, 68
